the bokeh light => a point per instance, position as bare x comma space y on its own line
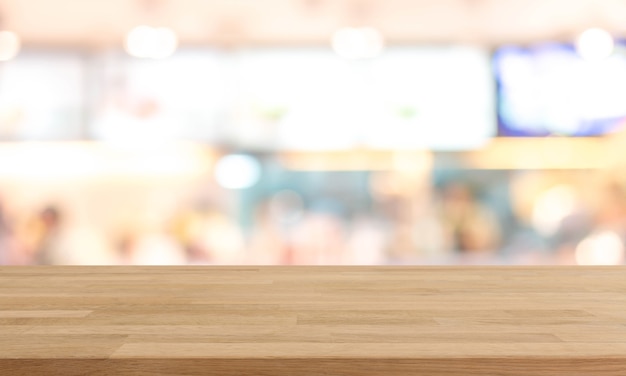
551, 207
595, 44
603, 248
237, 171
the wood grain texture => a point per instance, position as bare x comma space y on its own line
344, 321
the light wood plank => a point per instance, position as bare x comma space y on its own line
341, 321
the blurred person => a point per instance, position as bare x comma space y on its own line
196, 256
319, 238
8, 242
224, 240
401, 247
608, 213
582, 227
157, 249
571, 231
126, 246
187, 228
414, 234
82, 244
470, 226
527, 247
366, 241
611, 208
42, 236
52, 240
267, 245
210, 237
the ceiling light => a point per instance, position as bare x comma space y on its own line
237, 171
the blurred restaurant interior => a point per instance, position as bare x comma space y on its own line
312, 132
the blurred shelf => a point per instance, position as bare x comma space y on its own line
357, 160
547, 153
136, 158
499, 153
312, 320
84, 159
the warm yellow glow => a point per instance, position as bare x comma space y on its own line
542, 153
85, 160
552, 207
412, 162
604, 248
359, 160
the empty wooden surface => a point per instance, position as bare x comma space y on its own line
312, 321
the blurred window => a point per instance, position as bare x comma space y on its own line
550, 90
438, 98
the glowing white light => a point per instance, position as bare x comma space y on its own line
358, 43
551, 207
595, 45
237, 171
604, 248
9, 45
151, 42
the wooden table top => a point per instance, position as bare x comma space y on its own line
313, 321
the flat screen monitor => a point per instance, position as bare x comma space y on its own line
183, 97
438, 98
295, 99
549, 90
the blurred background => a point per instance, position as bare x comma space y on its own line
291, 132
